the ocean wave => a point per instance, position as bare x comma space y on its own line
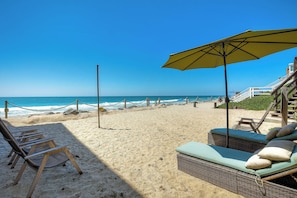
107, 103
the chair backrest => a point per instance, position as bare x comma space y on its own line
265, 115
10, 139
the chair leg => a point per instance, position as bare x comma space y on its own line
17, 179
10, 153
70, 157
16, 159
12, 158
258, 131
38, 174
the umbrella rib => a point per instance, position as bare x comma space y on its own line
182, 59
246, 42
212, 47
272, 33
269, 42
219, 53
205, 52
235, 48
239, 48
202, 50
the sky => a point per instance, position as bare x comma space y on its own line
53, 47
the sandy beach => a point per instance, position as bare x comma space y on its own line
131, 155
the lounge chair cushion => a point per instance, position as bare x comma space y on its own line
240, 134
256, 162
234, 158
226, 156
272, 133
277, 150
252, 136
286, 130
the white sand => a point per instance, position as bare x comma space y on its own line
131, 155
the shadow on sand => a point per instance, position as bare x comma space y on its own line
97, 180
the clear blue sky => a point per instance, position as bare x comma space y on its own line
52, 47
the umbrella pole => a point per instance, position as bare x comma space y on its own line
98, 97
227, 101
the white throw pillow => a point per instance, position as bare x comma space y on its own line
277, 150
256, 162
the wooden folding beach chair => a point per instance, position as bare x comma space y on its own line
252, 124
21, 137
40, 160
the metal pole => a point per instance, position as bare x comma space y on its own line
77, 105
98, 97
227, 107
6, 109
227, 97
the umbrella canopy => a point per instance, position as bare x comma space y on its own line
249, 45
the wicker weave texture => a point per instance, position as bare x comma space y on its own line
209, 172
230, 179
235, 143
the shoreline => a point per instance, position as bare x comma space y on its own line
18, 120
45, 105
131, 155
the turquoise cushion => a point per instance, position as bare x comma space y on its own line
233, 158
252, 136
220, 155
240, 134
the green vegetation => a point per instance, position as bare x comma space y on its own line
255, 103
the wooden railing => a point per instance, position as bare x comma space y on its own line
251, 92
257, 91
290, 83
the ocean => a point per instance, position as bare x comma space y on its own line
20, 106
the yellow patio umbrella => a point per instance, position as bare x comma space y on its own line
249, 45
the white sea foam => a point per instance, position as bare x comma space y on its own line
21, 111
30, 110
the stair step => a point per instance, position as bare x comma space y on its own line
292, 101
290, 111
293, 106
276, 119
276, 114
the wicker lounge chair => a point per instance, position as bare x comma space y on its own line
225, 167
40, 160
242, 140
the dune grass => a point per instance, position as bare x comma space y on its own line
255, 103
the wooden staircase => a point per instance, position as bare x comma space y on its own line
285, 98
292, 108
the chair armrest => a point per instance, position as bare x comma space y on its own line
28, 136
25, 131
47, 151
36, 142
246, 119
